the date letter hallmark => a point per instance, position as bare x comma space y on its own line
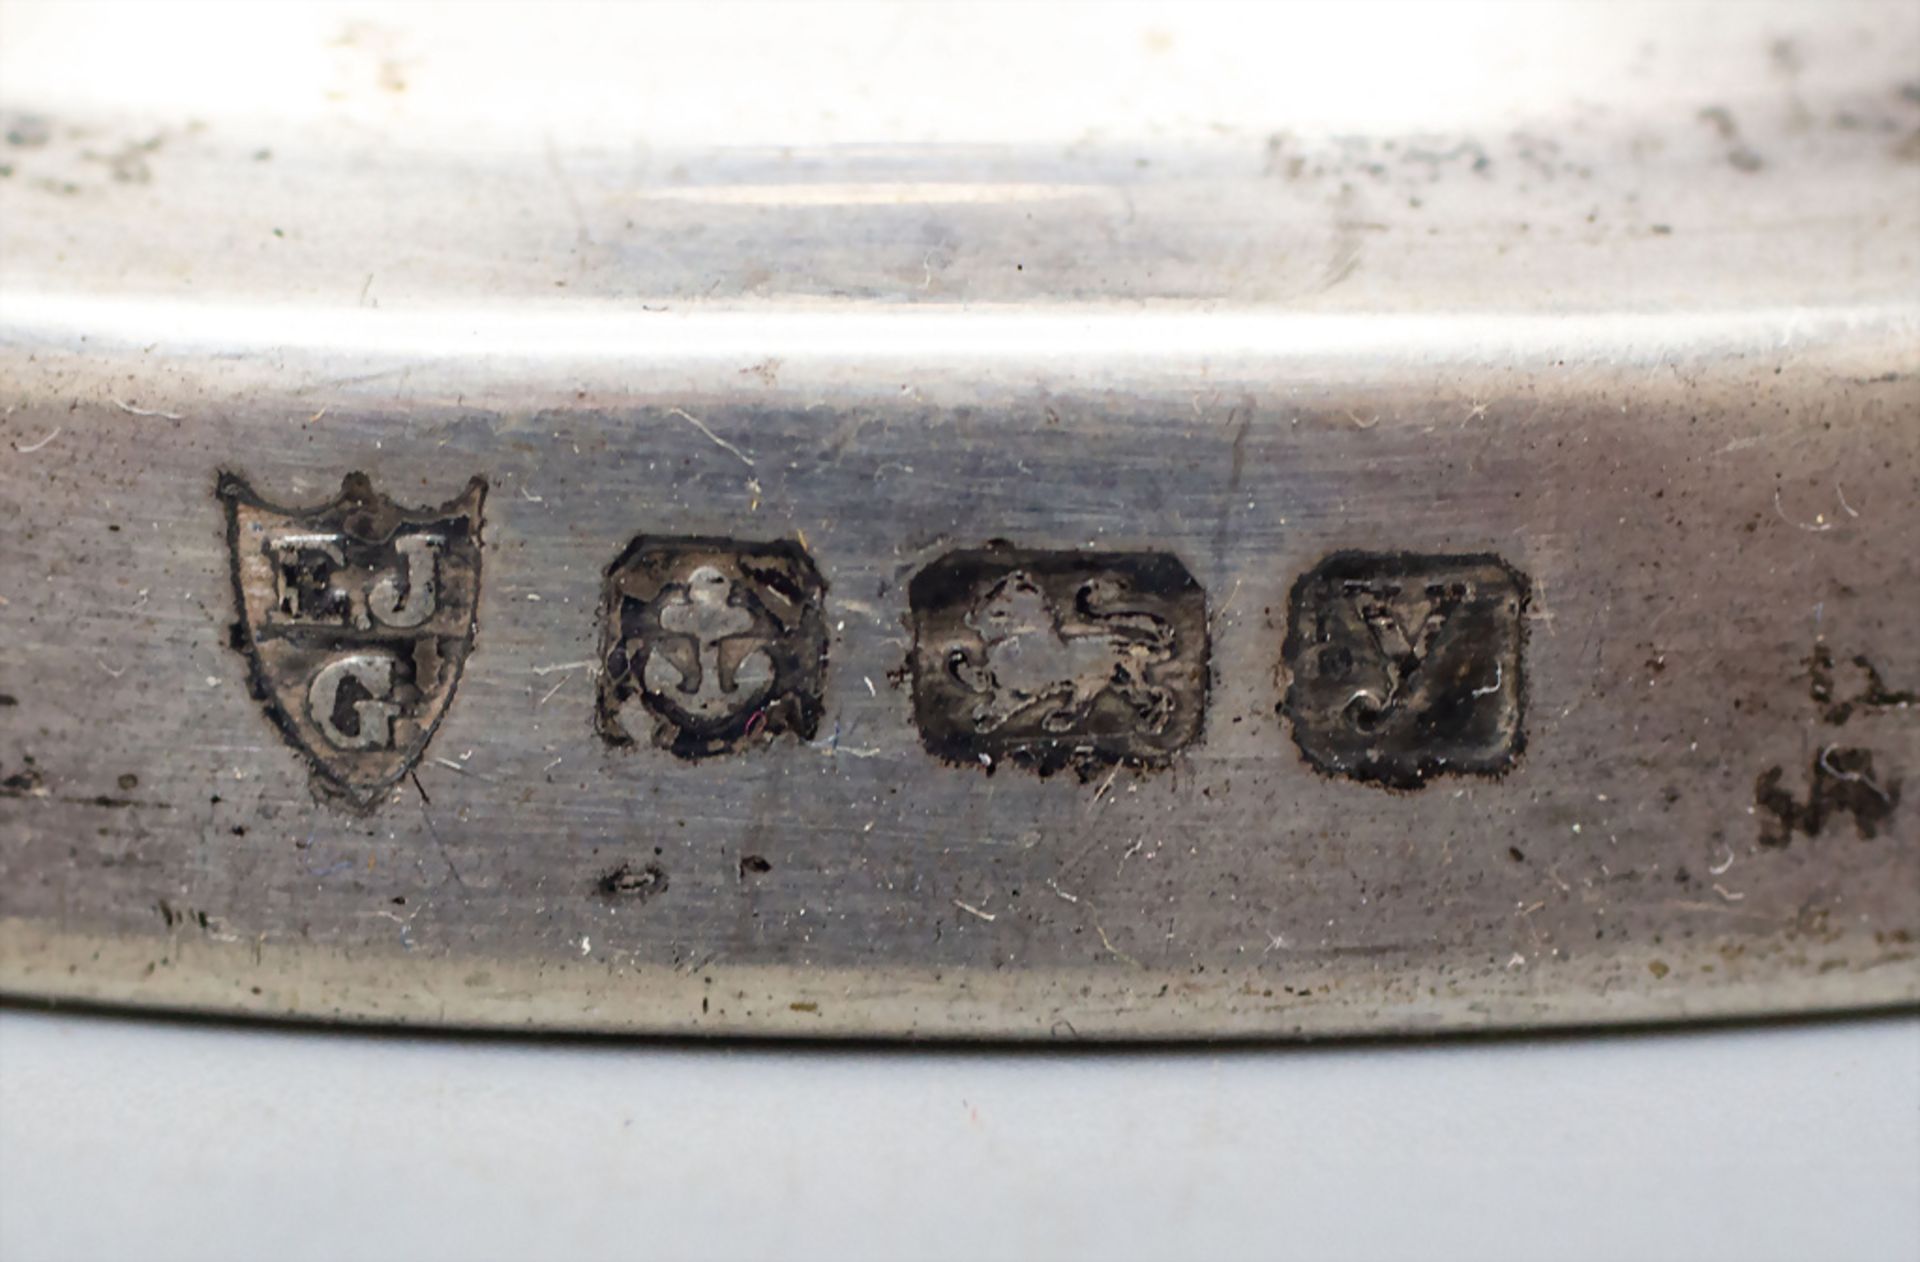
1403, 666
1058, 659
724, 643
356, 618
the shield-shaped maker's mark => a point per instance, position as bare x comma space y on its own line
356, 617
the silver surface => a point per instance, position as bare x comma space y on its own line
1657, 350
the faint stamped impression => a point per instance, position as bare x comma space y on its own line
1058, 659
357, 617
721, 643
1403, 666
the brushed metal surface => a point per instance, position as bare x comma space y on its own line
1676, 392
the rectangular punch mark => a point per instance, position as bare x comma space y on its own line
1403, 666
1058, 659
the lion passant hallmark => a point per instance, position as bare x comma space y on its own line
356, 617
1051, 659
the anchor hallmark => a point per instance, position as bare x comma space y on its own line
723, 642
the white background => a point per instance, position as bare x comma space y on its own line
157, 1140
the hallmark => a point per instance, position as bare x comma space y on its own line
723, 643
1058, 659
1404, 666
356, 618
